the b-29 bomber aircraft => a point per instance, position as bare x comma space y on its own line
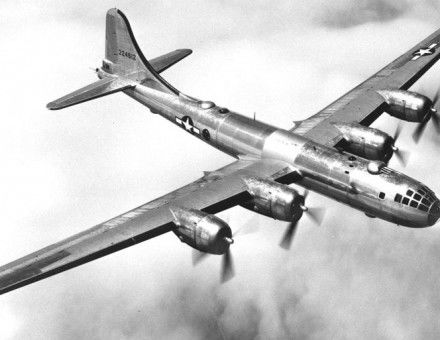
334, 153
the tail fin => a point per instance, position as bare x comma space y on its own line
124, 65
123, 56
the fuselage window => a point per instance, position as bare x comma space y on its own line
405, 200
417, 197
398, 198
413, 204
409, 192
382, 195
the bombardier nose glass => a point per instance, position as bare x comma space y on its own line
421, 199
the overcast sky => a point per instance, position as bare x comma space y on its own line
64, 171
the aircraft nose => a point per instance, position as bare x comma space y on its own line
434, 213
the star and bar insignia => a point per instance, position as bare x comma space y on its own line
424, 51
187, 123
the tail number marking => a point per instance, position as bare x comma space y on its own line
127, 54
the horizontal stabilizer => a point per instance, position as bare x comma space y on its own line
165, 61
95, 90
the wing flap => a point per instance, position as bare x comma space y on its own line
212, 193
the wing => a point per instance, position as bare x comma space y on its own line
363, 104
214, 192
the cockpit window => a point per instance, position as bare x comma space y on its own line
409, 192
414, 204
398, 198
426, 202
382, 195
405, 200
423, 207
417, 197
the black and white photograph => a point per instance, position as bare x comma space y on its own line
220, 169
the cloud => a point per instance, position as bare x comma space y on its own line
345, 13
63, 171
349, 13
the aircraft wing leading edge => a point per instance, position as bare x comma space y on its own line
363, 104
212, 193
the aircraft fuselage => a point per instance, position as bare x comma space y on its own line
363, 184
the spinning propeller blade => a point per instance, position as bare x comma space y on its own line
432, 115
418, 132
401, 155
286, 241
316, 214
227, 267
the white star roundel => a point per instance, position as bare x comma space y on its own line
187, 123
424, 51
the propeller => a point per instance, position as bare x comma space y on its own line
227, 267
432, 115
316, 214
286, 241
401, 155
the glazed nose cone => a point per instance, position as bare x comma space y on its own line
434, 213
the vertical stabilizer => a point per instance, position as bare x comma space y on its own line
124, 57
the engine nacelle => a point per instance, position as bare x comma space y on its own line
407, 105
202, 231
366, 142
273, 199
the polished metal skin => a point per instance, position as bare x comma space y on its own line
274, 199
338, 175
267, 159
202, 231
407, 105
366, 142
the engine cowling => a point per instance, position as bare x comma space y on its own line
366, 142
202, 231
407, 105
273, 199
